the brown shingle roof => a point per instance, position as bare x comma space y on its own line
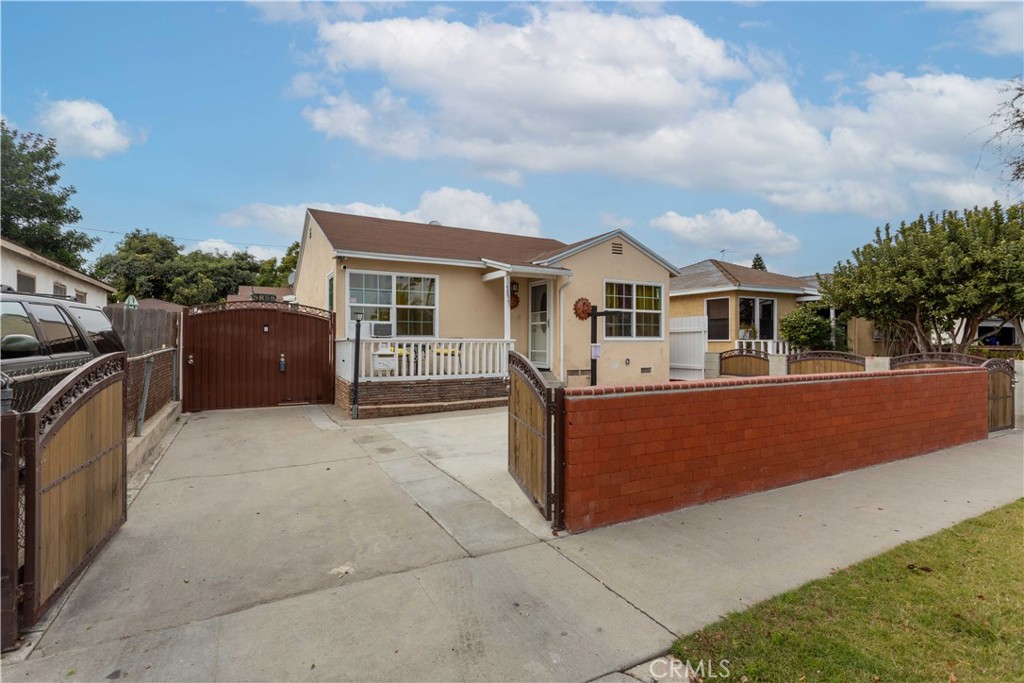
402, 238
712, 273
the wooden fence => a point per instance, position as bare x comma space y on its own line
144, 329
823, 362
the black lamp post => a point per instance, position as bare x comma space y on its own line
594, 315
358, 315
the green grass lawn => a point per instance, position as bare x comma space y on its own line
947, 608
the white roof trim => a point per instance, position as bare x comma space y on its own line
67, 270
526, 270
344, 253
620, 234
733, 288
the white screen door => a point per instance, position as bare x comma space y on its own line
540, 337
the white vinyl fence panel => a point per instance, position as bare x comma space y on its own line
688, 339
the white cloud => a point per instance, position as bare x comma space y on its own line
86, 128
744, 231
215, 245
449, 206
995, 28
649, 97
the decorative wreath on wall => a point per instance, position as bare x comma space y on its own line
513, 301
582, 308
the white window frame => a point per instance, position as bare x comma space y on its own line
757, 314
331, 293
633, 311
728, 317
394, 299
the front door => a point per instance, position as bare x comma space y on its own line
540, 335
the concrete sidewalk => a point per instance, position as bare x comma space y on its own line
280, 545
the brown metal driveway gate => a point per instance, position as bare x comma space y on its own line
252, 354
535, 423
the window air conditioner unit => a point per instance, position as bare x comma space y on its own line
381, 330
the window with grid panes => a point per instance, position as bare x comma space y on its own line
632, 310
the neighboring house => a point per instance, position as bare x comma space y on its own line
443, 302
742, 305
253, 293
27, 271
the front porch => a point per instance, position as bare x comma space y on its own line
411, 376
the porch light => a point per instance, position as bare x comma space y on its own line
515, 287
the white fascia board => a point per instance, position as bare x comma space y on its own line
808, 297
734, 288
503, 268
343, 253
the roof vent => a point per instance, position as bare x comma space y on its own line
434, 223
617, 248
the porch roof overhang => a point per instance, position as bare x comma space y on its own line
502, 270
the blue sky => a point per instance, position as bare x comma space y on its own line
789, 129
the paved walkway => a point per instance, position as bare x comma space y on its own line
282, 545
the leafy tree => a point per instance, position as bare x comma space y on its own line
758, 263
140, 265
809, 328
193, 288
33, 209
933, 281
146, 264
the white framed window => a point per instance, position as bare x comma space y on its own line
60, 289
406, 300
717, 311
330, 292
634, 310
757, 318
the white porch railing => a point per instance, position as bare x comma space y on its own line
419, 358
771, 346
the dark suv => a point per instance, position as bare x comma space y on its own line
43, 338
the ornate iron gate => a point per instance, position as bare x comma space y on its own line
535, 424
252, 354
1000, 394
743, 363
71, 496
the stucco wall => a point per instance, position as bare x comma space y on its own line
316, 261
46, 276
591, 269
860, 335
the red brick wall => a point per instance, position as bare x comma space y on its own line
637, 451
160, 383
386, 399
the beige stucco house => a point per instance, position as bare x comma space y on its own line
441, 302
742, 305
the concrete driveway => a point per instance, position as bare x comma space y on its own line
282, 544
